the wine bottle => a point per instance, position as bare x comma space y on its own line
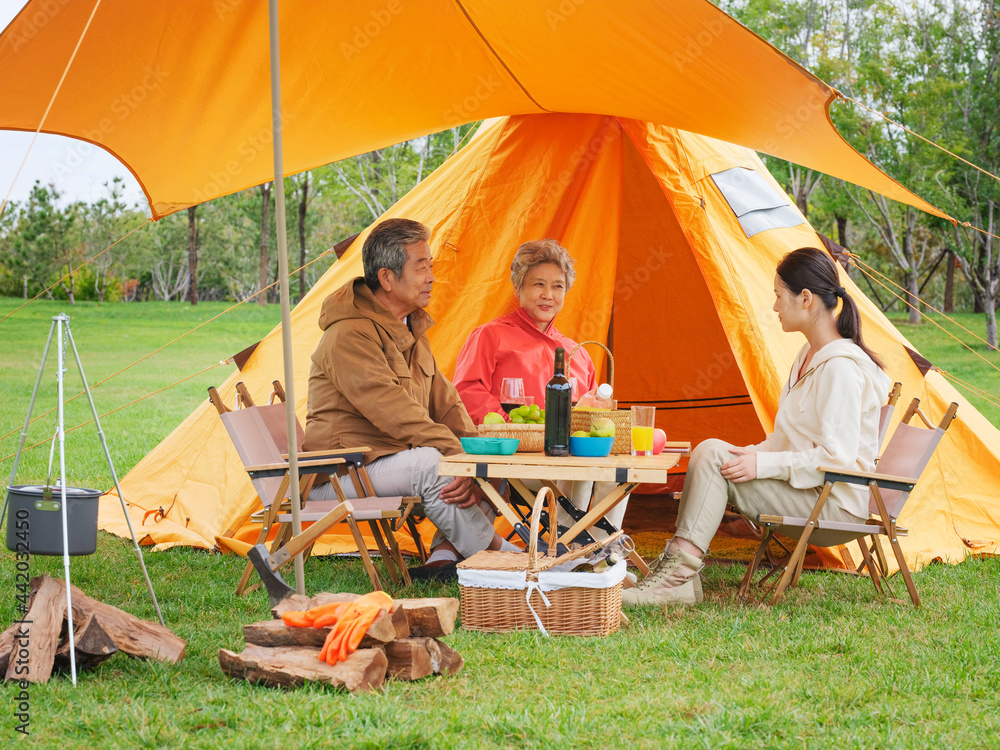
558, 397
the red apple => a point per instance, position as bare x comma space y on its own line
659, 441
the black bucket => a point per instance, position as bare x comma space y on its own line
34, 523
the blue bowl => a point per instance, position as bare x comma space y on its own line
592, 447
489, 446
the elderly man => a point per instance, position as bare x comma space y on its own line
374, 382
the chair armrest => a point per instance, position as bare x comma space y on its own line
283, 466
332, 452
888, 481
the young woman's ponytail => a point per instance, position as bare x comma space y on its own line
813, 269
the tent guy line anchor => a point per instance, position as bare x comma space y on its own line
64, 339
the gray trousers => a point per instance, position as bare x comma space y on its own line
707, 493
415, 472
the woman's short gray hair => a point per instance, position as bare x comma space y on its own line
385, 247
536, 252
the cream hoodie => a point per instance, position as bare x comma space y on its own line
828, 417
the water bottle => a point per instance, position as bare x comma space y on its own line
597, 398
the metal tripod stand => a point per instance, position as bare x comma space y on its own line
60, 328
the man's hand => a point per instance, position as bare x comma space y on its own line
743, 468
462, 491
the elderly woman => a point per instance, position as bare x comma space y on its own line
522, 344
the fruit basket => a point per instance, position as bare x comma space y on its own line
531, 436
583, 419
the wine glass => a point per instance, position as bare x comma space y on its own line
511, 393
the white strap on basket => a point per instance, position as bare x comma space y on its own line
533, 586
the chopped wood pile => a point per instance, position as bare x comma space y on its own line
401, 643
37, 644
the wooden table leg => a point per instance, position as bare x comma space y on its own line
598, 511
499, 503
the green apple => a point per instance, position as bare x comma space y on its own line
580, 433
494, 418
602, 427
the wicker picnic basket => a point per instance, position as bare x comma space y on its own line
582, 419
504, 591
532, 436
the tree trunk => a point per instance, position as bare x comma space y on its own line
71, 289
949, 282
192, 256
911, 270
841, 230
303, 204
24, 281
913, 296
990, 303
265, 204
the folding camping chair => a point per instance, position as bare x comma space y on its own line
260, 437
904, 459
884, 420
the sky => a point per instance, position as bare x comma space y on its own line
78, 170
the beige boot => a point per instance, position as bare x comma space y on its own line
673, 579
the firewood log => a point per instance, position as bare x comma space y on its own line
34, 649
92, 645
363, 670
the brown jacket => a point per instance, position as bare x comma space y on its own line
374, 381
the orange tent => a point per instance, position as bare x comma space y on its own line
179, 91
676, 238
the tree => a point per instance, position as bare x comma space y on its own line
46, 241
265, 204
105, 222
973, 60
192, 255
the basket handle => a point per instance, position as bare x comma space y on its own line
536, 512
611, 360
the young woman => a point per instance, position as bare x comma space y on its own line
827, 415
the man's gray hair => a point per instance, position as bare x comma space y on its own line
536, 252
385, 247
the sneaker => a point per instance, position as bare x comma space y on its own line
441, 570
674, 578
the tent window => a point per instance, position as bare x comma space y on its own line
757, 205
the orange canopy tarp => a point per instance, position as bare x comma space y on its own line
180, 91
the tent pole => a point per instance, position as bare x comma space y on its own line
286, 318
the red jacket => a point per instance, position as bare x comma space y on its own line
512, 347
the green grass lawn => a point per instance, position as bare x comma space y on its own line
833, 666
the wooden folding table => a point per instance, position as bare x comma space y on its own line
625, 471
